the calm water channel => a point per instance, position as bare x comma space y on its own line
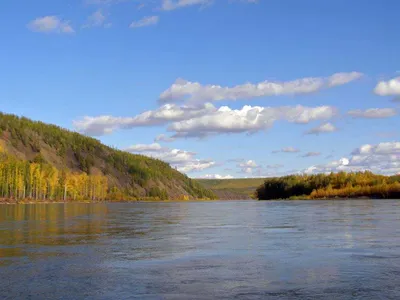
203, 250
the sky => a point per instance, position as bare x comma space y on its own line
217, 88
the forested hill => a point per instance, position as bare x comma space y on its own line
45, 162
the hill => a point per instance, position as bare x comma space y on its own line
233, 189
42, 161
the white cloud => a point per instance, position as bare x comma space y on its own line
183, 90
184, 161
216, 176
382, 149
388, 88
334, 166
373, 113
383, 158
146, 148
205, 120
101, 125
51, 24
342, 78
248, 166
175, 4
164, 138
146, 21
248, 119
287, 150
312, 154
97, 19
324, 128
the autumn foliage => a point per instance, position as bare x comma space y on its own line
334, 185
38, 181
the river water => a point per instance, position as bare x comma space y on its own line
201, 250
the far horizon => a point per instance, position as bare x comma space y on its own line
220, 90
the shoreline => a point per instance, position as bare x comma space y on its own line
15, 202
331, 199
18, 202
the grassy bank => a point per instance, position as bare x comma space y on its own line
233, 189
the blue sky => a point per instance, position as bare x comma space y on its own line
328, 72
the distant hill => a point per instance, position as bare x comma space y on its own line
66, 164
233, 189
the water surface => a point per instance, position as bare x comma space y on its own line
201, 250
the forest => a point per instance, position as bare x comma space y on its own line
39, 181
39, 161
328, 186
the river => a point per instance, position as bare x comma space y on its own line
201, 250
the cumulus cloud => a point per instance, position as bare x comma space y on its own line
175, 4
248, 166
146, 21
216, 176
383, 158
183, 161
51, 24
333, 166
287, 150
204, 120
373, 113
183, 90
247, 120
102, 125
388, 88
381, 149
324, 128
311, 154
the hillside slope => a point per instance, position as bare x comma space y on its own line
128, 175
233, 189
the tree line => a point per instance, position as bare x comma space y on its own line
39, 181
333, 185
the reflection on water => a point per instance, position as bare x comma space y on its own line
204, 250
46, 225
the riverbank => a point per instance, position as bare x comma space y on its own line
13, 201
308, 198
